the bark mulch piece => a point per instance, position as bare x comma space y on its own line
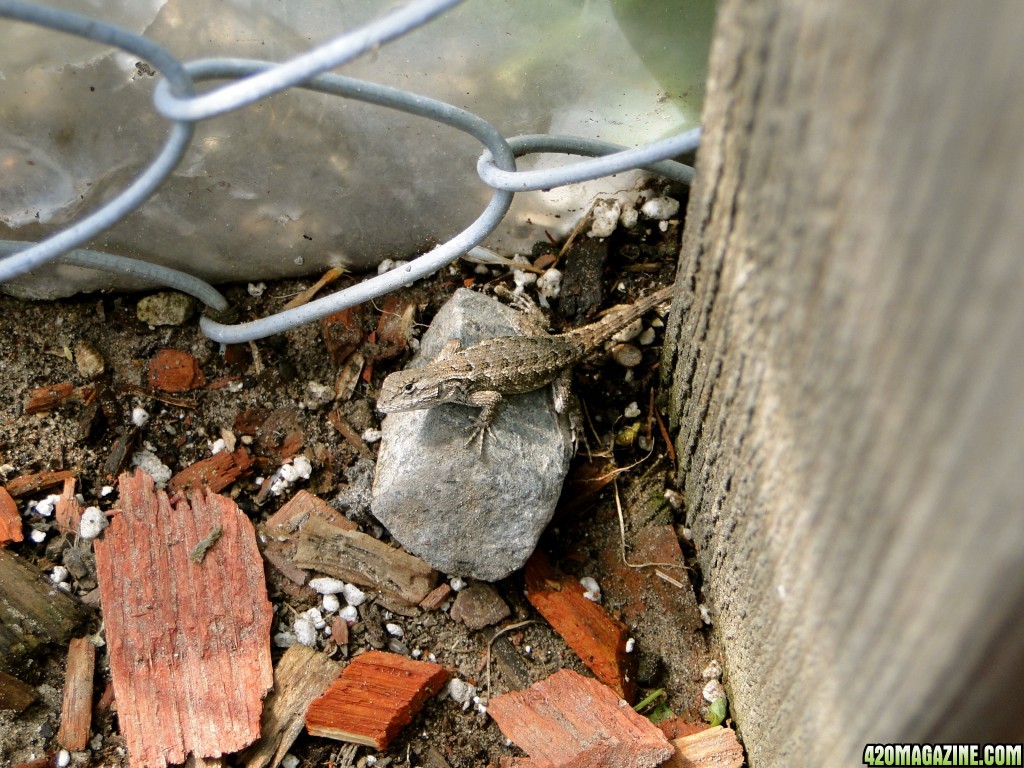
300, 676
188, 642
376, 695
571, 721
10, 519
596, 637
14, 694
34, 613
76, 713
174, 370
26, 485
715, 747
214, 473
361, 559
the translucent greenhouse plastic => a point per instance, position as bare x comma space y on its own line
301, 181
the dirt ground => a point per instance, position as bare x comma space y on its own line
37, 344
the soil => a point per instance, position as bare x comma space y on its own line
37, 343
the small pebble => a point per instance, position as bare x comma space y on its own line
604, 217
256, 289
397, 646
705, 614
165, 308
318, 394
217, 446
632, 410
150, 463
457, 584
59, 574
591, 589
93, 523
63, 759
140, 416
660, 208
629, 217
461, 692
713, 691
89, 361
371, 436
106, 490
354, 596
627, 355
350, 614
630, 332
289, 760
712, 671
304, 631
38, 536
325, 585
630, 645
394, 630
331, 603
647, 337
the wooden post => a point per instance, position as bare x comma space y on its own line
848, 373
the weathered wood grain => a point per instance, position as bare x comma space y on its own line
849, 377
188, 642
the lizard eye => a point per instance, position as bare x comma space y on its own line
409, 387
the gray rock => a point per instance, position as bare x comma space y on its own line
463, 512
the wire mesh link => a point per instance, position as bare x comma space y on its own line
175, 99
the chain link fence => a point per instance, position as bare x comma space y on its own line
250, 81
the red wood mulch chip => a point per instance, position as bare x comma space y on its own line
188, 642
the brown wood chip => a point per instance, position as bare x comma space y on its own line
362, 559
215, 473
26, 485
300, 676
76, 713
715, 747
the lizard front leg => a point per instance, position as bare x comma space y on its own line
488, 401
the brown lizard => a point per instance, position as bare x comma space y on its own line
480, 375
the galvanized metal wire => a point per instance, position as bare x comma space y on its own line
175, 99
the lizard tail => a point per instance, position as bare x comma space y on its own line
616, 319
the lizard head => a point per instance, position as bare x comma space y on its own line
409, 391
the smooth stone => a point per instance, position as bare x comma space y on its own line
479, 606
465, 512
